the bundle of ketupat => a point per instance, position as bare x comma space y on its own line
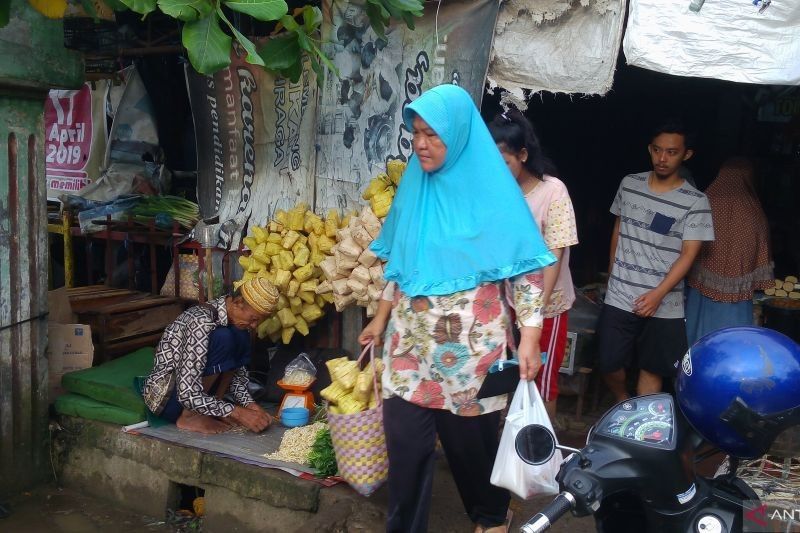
351, 391
288, 252
785, 288
354, 274
381, 189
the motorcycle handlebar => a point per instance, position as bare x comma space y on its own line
547, 516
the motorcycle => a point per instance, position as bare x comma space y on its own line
636, 474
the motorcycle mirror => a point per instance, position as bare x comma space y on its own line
535, 444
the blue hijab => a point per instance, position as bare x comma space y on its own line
465, 223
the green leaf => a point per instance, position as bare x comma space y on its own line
143, 7
303, 40
376, 20
116, 5
186, 10
325, 59
281, 52
312, 19
405, 5
252, 55
409, 19
378, 6
293, 72
289, 23
208, 46
260, 9
317, 68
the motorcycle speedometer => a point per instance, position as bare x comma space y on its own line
648, 420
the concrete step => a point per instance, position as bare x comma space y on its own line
143, 475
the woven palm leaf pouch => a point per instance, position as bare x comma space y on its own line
359, 441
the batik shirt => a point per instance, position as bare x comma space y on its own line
182, 353
438, 349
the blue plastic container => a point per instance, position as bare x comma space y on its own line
293, 417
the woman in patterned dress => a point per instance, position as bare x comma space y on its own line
458, 253
549, 201
737, 262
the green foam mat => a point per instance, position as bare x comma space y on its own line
83, 407
112, 382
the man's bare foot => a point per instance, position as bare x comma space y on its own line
207, 425
229, 422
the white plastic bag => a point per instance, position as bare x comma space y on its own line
509, 470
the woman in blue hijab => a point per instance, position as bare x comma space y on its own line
461, 247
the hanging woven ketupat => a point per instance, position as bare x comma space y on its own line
288, 252
354, 273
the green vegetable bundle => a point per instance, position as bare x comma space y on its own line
165, 209
322, 457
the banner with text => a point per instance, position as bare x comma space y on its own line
255, 144
75, 138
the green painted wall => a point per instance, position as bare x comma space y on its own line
32, 60
32, 53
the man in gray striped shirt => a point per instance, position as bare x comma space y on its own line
661, 223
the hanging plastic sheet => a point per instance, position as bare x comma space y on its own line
565, 46
730, 40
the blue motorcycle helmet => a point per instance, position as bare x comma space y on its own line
740, 388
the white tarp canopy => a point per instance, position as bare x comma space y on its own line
727, 39
567, 46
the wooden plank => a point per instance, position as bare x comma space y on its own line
19, 219
92, 289
7, 468
40, 435
90, 302
352, 324
135, 305
6, 409
126, 346
134, 322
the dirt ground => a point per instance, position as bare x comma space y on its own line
49, 509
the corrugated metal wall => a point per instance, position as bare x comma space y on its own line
23, 294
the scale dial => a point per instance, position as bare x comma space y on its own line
294, 400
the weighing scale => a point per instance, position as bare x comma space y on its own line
297, 396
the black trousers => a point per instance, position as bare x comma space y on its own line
470, 445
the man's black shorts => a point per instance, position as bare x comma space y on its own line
651, 344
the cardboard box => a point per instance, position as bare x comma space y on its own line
58, 307
69, 346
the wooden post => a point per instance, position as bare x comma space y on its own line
352, 324
69, 253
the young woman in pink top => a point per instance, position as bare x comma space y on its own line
551, 206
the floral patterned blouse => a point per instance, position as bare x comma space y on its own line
438, 349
